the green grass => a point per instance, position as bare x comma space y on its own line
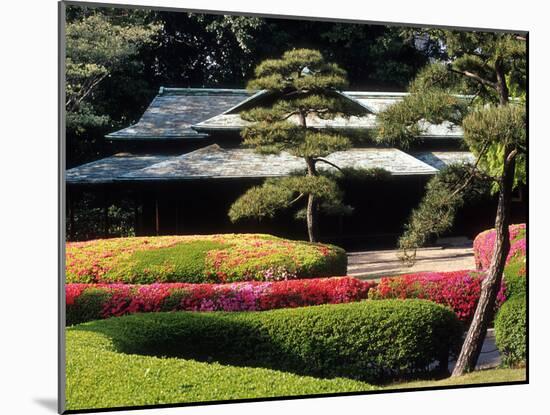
367, 340
98, 376
171, 263
103, 371
479, 377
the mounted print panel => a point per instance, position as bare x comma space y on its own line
262, 207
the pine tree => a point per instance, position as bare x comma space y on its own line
486, 66
300, 87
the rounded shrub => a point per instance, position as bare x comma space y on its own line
200, 259
87, 302
511, 331
515, 277
367, 340
484, 244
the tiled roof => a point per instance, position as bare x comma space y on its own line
440, 159
187, 113
373, 102
109, 169
214, 162
174, 110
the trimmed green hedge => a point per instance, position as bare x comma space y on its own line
511, 331
199, 259
368, 340
515, 277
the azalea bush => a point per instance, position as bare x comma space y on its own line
96, 301
484, 244
365, 340
459, 290
200, 259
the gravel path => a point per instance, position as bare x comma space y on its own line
375, 264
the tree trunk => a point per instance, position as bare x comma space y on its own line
312, 209
483, 315
502, 88
312, 218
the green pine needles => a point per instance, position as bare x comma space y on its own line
479, 88
300, 89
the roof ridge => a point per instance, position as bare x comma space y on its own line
206, 91
212, 148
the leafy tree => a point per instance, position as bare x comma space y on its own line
301, 86
486, 66
376, 57
216, 50
203, 50
98, 43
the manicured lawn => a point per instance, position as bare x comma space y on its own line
481, 376
99, 377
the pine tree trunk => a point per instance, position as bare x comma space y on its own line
483, 315
311, 213
312, 218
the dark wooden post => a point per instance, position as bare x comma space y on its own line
105, 213
147, 224
136, 216
70, 199
157, 221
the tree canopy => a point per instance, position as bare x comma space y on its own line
299, 86
136, 51
466, 90
488, 68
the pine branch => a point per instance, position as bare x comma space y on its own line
473, 173
290, 114
476, 77
329, 163
296, 199
511, 156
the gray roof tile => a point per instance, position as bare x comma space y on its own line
173, 111
109, 169
374, 102
186, 113
214, 162
440, 159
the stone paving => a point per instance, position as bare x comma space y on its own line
489, 357
375, 264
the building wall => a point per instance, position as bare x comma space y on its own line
381, 209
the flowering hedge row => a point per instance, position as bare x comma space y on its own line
484, 245
458, 290
96, 301
200, 259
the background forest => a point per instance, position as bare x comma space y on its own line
118, 58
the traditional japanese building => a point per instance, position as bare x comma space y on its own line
181, 166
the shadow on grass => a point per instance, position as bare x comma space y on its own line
240, 339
